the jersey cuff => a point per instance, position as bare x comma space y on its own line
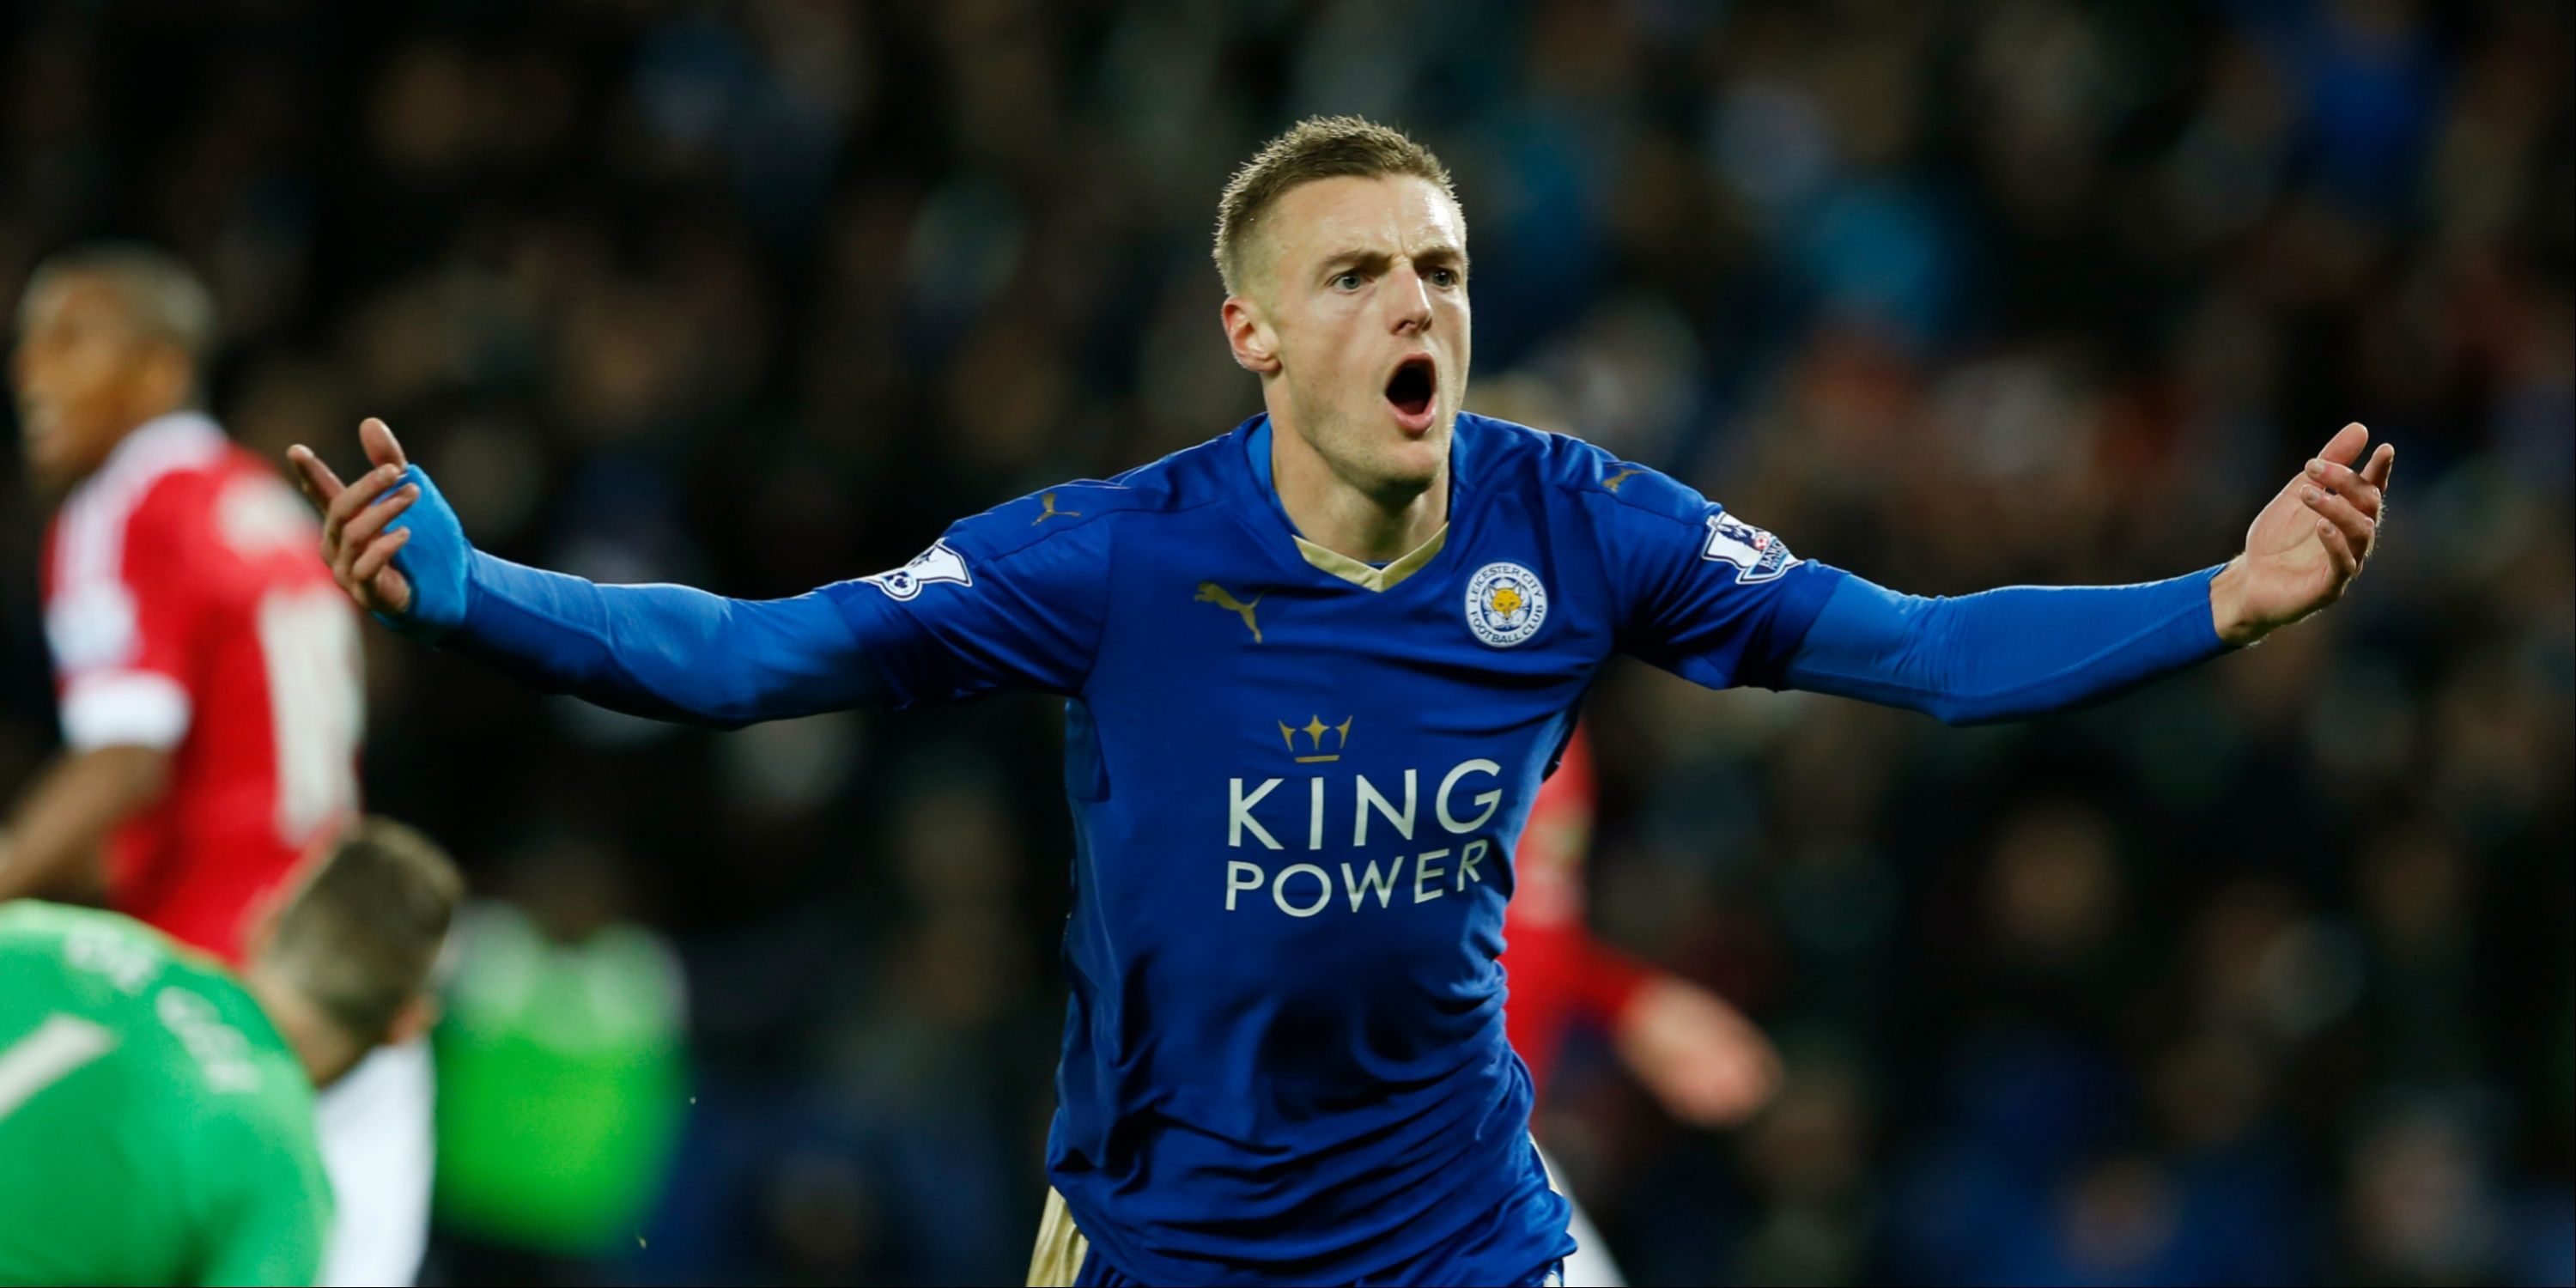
125, 709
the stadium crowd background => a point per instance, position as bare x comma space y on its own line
2265, 975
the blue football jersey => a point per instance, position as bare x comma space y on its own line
1297, 781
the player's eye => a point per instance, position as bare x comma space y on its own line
1346, 280
1444, 277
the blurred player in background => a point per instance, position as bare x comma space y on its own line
156, 1108
1706, 1064
207, 675
1316, 669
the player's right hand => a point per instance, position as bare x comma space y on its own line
1702, 1058
354, 539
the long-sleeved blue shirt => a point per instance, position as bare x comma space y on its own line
1297, 781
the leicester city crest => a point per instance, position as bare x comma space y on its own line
1505, 604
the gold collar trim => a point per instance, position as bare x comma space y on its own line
1365, 577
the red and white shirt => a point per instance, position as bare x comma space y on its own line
187, 612
1559, 973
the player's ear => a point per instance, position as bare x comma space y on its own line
262, 931
260, 927
1248, 333
166, 377
417, 1016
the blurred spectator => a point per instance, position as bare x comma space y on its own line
562, 1081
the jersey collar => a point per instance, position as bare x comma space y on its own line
1366, 576
158, 444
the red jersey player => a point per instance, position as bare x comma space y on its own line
1700, 1057
206, 674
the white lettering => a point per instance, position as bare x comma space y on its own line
1315, 815
1384, 887
1236, 870
1492, 800
222, 1053
125, 963
1238, 813
1279, 889
1423, 873
1430, 876
1369, 797
1468, 859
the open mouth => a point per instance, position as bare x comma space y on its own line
1409, 390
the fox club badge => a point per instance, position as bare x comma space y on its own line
1505, 604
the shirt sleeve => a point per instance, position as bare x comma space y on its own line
988, 607
2004, 654
128, 599
1609, 980
1701, 592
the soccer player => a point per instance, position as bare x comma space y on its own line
1703, 1060
1314, 670
156, 1110
208, 679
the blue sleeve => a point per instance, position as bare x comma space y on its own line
667, 652
2004, 654
1698, 591
984, 609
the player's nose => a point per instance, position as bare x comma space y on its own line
1408, 301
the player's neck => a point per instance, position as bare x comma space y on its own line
1344, 516
324, 1049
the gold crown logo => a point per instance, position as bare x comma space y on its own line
1315, 729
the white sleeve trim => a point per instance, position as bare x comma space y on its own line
124, 709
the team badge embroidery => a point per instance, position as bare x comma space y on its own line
938, 563
1757, 555
1505, 604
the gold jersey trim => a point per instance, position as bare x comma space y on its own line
1365, 577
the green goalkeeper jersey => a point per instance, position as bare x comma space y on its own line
154, 1128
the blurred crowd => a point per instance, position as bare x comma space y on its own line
2262, 975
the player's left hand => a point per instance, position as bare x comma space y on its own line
1704, 1061
2308, 544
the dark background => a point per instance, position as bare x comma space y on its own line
2264, 974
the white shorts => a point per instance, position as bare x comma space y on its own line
1591, 1265
377, 1146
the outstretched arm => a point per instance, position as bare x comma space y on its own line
2028, 650
667, 652
2005, 654
996, 604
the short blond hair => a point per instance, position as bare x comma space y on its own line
1319, 147
359, 936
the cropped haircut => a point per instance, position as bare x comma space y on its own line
162, 297
1320, 147
359, 936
